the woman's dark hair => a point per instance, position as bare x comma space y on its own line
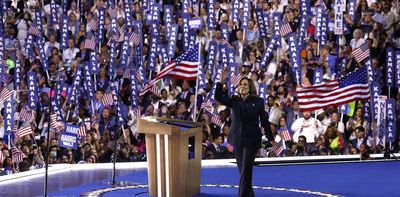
252, 87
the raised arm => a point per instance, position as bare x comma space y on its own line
219, 96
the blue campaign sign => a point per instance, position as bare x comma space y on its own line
69, 136
196, 23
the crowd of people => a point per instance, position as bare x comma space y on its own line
52, 58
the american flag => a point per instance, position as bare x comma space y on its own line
95, 119
34, 30
82, 131
17, 155
216, 120
112, 12
25, 114
361, 52
90, 43
20, 55
184, 67
354, 86
6, 94
285, 134
93, 24
135, 38
23, 131
278, 148
137, 113
55, 124
207, 105
107, 99
285, 28
225, 42
236, 79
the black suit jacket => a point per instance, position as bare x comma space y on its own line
246, 117
354, 142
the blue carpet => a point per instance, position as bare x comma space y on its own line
351, 179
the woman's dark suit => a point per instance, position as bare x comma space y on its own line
245, 133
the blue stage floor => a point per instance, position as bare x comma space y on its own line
346, 179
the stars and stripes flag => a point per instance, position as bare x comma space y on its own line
285, 134
184, 67
25, 114
361, 52
17, 155
207, 105
23, 131
90, 43
354, 86
134, 38
285, 28
6, 94
112, 12
34, 30
216, 119
20, 55
137, 113
95, 119
278, 148
107, 99
82, 131
93, 24
236, 79
226, 43
55, 124
127, 73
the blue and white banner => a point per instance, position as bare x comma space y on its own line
367, 111
1, 44
368, 64
28, 46
9, 116
155, 15
391, 120
262, 91
186, 18
125, 52
277, 28
260, 21
268, 52
155, 38
339, 10
318, 75
211, 56
323, 28
267, 20
168, 20
318, 23
76, 84
344, 109
397, 67
89, 85
53, 13
94, 64
172, 40
32, 90
381, 122
195, 24
235, 11
352, 9
211, 17
102, 29
390, 66
304, 7
245, 14
128, 13
134, 89
64, 32
201, 79
162, 51
185, 6
17, 74
38, 20
42, 53
59, 88
68, 138
225, 31
224, 55
295, 56
375, 92
113, 54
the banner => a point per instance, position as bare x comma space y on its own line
211, 57
102, 17
68, 138
352, 9
375, 92
295, 56
64, 32
225, 31
94, 64
9, 116
89, 85
125, 52
323, 38
391, 120
318, 75
168, 20
368, 64
113, 54
185, 18
304, 7
53, 13
381, 122
195, 24
1, 44
38, 20
235, 11
211, 16
128, 13
201, 78
245, 14
76, 82
262, 91
134, 89
42, 53
155, 39
32, 90
268, 52
17, 74
390, 66
339, 9
367, 111
277, 28
172, 40
260, 21
223, 55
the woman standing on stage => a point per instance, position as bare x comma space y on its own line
247, 112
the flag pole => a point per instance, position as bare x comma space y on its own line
197, 84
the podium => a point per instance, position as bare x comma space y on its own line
174, 150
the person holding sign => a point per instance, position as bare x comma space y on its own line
245, 135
